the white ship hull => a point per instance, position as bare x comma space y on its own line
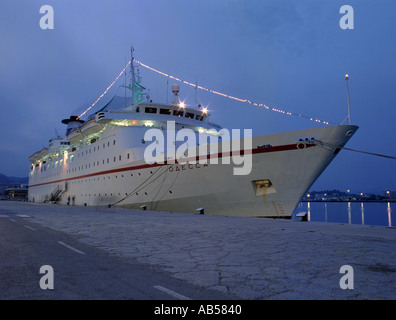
283, 169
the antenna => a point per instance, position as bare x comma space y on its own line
196, 101
125, 86
349, 109
167, 88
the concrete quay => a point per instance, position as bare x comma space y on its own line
250, 258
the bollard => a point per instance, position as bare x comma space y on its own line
201, 210
303, 215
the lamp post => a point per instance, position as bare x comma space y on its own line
349, 110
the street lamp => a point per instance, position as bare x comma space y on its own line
349, 109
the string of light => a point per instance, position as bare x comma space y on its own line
231, 97
108, 88
194, 85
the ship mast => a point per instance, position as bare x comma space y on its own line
134, 85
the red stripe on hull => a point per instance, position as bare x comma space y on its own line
288, 147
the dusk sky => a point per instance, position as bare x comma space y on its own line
288, 54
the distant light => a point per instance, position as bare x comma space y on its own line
148, 124
205, 110
347, 76
182, 105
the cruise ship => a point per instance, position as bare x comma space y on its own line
103, 161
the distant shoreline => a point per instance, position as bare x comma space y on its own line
357, 200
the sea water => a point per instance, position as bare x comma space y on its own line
364, 213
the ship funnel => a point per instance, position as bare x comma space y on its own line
72, 123
175, 90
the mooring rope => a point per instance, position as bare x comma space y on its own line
360, 151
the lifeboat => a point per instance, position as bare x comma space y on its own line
75, 136
91, 127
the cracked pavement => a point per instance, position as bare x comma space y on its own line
251, 258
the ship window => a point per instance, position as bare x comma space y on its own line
165, 111
190, 115
178, 113
199, 117
150, 110
119, 158
114, 159
128, 156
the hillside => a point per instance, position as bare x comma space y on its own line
11, 180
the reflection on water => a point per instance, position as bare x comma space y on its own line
325, 211
365, 213
362, 211
389, 215
349, 213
